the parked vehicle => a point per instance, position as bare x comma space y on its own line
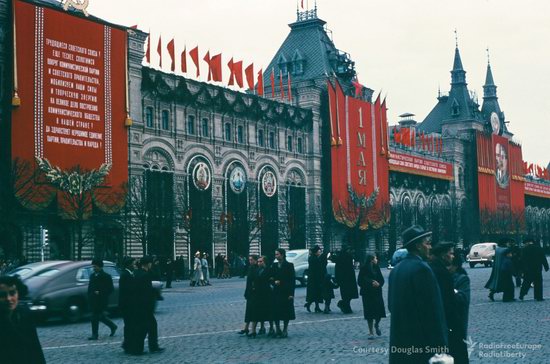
482, 253
299, 258
62, 289
397, 256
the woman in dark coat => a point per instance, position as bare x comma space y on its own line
20, 344
283, 281
260, 299
248, 312
316, 274
345, 277
507, 275
371, 281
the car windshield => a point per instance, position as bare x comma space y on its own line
480, 247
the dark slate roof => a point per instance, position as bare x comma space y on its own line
490, 100
458, 105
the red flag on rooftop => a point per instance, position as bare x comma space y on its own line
231, 75
148, 50
184, 60
216, 67
207, 60
358, 87
171, 51
281, 84
289, 82
260, 83
238, 71
272, 79
134, 26
159, 51
194, 54
249, 73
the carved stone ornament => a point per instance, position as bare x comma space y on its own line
269, 184
202, 176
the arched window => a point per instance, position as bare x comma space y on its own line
204, 126
191, 125
227, 132
240, 134
289, 143
272, 140
149, 117
261, 141
165, 118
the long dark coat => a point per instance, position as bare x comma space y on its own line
345, 276
145, 298
20, 344
457, 347
373, 302
126, 292
495, 283
251, 275
103, 283
283, 308
261, 296
316, 274
417, 314
533, 260
462, 285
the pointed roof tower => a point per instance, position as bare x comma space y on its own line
490, 98
458, 105
308, 53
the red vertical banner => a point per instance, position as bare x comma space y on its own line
249, 73
184, 60
194, 54
517, 182
260, 83
171, 47
502, 171
238, 72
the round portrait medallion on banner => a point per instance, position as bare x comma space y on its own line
201, 176
237, 180
269, 184
501, 174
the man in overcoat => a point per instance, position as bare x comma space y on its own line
100, 288
145, 307
418, 329
494, 284
533, 261
126, 298
344, 272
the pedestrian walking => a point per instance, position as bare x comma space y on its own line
145, 307
18, 336
329, 285
461, 283
251, 276
100, 288
170, 267
219, 265
283, 282
198, 277
317, 268
345, 277
126, 304
494, 284
205, 269
441, 259
507, 273
226, 268
370, 281
417, 318
262, 297
533, 261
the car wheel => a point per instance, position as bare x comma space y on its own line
472, 265
74, 311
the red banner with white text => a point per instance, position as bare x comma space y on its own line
70, 77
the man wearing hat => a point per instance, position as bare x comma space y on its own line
145, 307
418, 328
442, 256
99, 290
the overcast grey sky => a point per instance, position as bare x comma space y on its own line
403, 47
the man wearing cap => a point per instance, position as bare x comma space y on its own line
418, 329
99, 290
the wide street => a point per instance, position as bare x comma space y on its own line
200, 325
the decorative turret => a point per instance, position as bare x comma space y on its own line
490, 103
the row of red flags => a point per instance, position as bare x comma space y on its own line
215, 72
410, 138
536, 171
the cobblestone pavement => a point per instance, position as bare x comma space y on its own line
200, 325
